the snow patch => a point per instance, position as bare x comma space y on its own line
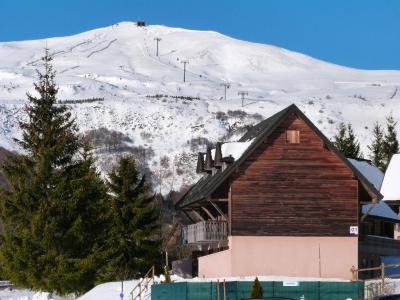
391, 182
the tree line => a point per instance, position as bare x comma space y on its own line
64, 227
384, 142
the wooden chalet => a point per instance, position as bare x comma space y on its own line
284, 201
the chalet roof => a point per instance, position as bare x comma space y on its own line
369, 170
381, 210
204, 188
390, 185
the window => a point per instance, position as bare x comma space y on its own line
292, 137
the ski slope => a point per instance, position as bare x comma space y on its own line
119, 63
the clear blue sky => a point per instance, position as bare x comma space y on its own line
358, 33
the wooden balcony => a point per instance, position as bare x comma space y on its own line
204, 232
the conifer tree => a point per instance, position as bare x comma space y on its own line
346, 141
390, 143
256, 290
53, 210
376, 147
134, 235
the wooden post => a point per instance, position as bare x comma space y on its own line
218, 290
140, 292
382, 278
224, 289
353, 271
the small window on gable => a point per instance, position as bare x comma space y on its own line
292, 137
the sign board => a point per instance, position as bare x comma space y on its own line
290, 283
354, 230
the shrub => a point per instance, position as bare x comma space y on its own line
256, 290
167, 275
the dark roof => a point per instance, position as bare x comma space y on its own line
209, 183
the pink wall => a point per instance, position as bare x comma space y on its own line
215, 265
325, 257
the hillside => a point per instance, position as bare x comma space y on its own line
144, 106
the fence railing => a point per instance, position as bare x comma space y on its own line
203, 232
380, 286
143, 285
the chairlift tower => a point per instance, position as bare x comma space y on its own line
226, 86
184, 62
243, 94
157, 39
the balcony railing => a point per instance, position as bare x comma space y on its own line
381, 246
204, 232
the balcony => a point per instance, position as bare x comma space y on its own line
204, 232
380, 246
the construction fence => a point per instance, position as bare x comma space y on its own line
238, 290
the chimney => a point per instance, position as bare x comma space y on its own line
200, 163
209, 161
218, 155
226, 161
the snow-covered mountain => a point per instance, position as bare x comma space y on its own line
146, 99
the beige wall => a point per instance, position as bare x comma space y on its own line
325, 257
216, 265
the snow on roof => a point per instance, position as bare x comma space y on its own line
391, 182
382, 210
234, 149
371, 172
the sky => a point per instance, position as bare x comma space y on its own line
357, 33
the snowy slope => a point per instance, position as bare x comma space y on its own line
118, 63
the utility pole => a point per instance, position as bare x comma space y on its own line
226, 85
157, 39
184, 62
242, 93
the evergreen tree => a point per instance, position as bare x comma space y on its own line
256, 290
390, 143
376, 147
53, 211
346, 141
134, 235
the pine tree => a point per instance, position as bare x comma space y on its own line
53, 211
346, 141
256, 290
390, 142
376, 147
134, 237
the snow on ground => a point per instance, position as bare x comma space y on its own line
18, 294
145, 97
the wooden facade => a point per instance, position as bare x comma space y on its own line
293, 189
290, 182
